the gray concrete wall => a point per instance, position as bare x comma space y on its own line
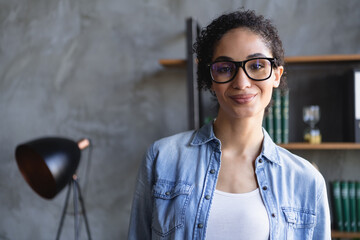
90, 69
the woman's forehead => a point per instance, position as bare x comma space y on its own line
241, 43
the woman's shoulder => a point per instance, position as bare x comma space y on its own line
187, 138
298, 164
181, 139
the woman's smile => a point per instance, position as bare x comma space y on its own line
243, 98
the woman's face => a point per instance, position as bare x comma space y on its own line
243, 97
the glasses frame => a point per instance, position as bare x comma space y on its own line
242, 65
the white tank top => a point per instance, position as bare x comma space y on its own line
237, 216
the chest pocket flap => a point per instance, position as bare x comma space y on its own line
168, 190
300, 218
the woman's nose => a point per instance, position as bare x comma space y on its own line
241, 80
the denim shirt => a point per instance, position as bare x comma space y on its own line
177, 179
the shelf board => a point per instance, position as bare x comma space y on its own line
291, 59
323, 58
337, 234
173, 62
322, 146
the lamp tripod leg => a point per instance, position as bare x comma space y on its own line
76, 184
76, 210
63, 212
77, 197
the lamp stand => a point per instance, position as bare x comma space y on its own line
77, 198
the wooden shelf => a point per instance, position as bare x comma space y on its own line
323, 58
293, 59
322, 146
337, 234
173, 62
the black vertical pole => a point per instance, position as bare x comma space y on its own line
193, 92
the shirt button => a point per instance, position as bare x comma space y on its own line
260, 161
207, 197
264, 187
273, 215
212, 171
200, 225
167, 193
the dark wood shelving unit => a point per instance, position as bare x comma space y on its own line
320, 72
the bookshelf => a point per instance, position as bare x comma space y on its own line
319, 75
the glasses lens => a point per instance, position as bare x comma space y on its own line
222, 71
258, 69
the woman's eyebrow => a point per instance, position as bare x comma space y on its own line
255, 55
224, 58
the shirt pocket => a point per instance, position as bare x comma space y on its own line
170, 202
300, 223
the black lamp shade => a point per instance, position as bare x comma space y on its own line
48, 164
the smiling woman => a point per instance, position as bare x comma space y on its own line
228, 179
243, 91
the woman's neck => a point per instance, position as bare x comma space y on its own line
241, 137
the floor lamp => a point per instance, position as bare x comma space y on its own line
48, 165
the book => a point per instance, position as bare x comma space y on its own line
352, 108
337, 206
352, 200
285, 116
357, 192
269, 123
345, 202
277, 115
357, 105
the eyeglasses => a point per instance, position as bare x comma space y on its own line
258, 69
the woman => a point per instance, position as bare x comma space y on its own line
228, 180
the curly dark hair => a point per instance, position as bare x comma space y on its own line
209, 37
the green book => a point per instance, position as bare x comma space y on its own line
277, 115
352, 199
285, 116
264, 123
344, 185
357, 186
337, 206
269, 123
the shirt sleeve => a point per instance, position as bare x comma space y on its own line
141, 212
323, 223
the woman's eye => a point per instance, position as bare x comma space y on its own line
256, 66
224, 70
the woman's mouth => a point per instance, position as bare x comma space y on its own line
243, 98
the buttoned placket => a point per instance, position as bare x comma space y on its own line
266, 195
209, 188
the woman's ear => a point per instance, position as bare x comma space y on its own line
278, 72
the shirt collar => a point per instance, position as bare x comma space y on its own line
270, 149
206, 134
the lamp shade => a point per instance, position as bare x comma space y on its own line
48, 164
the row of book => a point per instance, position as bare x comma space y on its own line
346, 205
276, 120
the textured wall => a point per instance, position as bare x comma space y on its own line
90, 69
